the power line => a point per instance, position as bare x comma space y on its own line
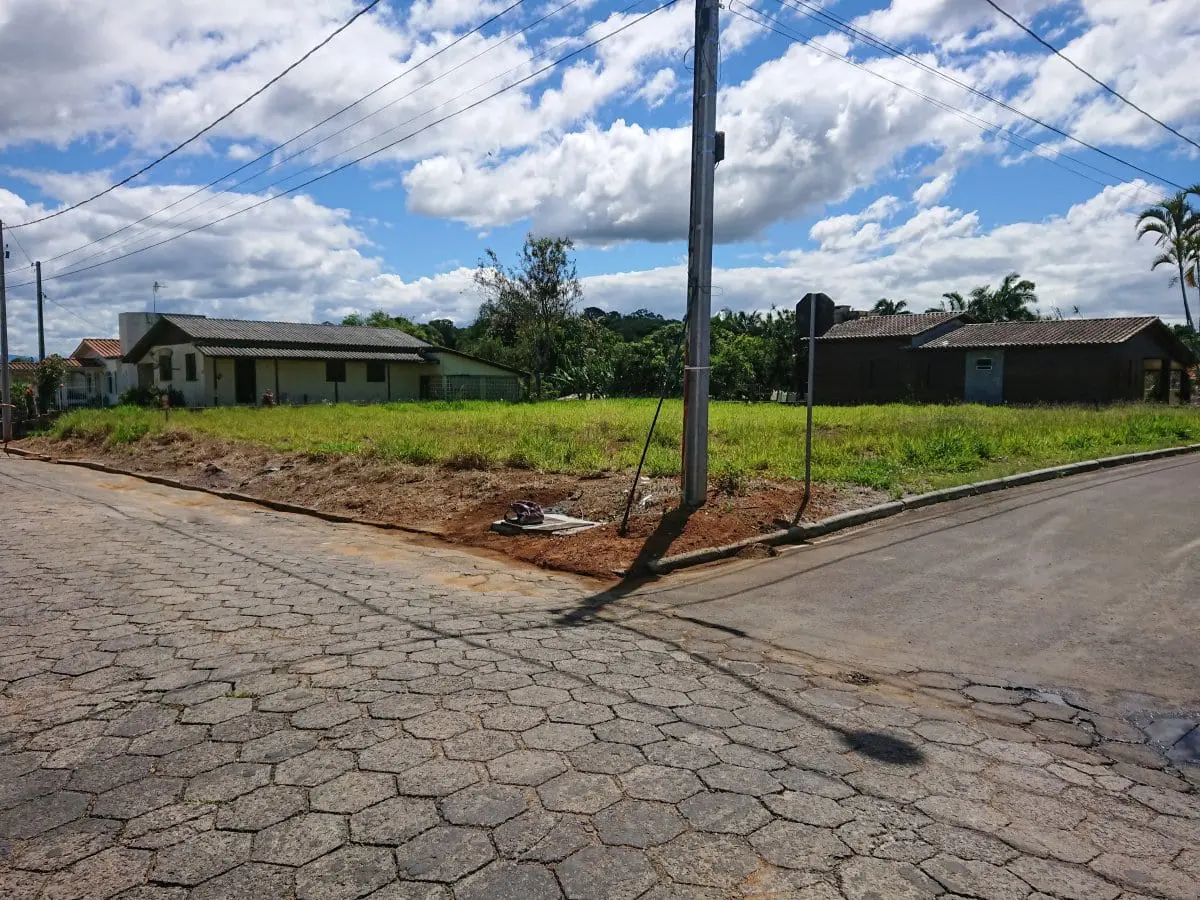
826, 17
1021, 142
582, 49
235, 197
266, 153
23, 253
71, 312
1078, 68
150, 165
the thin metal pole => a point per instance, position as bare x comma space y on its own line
808, 400
37, 267
700, 232
5, 384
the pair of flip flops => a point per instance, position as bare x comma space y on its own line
525, 512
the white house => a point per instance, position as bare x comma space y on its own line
99, 378
223, 362
93, 374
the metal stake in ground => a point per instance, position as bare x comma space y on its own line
699, 287
5, 385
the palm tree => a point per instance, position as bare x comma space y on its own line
886, 307
1013, 300
954, 302
1174, 224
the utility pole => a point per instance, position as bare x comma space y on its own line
5, 385
158, 285
700, 238
41, 324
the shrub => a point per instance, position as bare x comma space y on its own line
152, 397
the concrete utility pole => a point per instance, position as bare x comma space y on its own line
37, 266
5, 386
700, 238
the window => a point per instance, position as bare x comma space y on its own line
376, 371
164, 366
983, 364
335, 370
189, 366
108, 383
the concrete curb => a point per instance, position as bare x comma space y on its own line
277, 505
799, 533
794, 535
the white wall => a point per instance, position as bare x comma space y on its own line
300, 381
194, 392
453, 364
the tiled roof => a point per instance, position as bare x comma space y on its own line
228, 331
887, 326
105, 348
311, 353
25, 365
1041, 333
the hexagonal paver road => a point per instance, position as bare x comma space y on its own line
200, 699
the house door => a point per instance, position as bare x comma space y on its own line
984, 381
245, 383
145, 375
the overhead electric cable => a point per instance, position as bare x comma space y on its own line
818, 14
211, 125
266, 153
1078, 68
1019, 141
582, 49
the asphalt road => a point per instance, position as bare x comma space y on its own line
1089, 583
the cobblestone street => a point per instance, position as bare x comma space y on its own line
202, 699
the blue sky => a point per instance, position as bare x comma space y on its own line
835, 179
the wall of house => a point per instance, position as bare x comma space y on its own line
302, 381
1133, 355
406, 379
876, 370
194, 392
453, 364
939, 376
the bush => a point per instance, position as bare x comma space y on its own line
152, 397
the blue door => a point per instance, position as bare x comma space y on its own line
984, 377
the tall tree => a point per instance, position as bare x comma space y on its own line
1014, 300
885, 307
529, 304
953, 301
1174, 224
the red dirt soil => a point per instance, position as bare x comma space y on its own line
458, 505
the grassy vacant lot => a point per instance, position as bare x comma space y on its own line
894, 448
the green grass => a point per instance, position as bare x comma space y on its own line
895, 448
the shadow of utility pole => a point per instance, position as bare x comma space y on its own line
669, 528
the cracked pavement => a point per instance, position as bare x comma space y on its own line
202, 699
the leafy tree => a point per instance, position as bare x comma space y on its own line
527, 306
952, 301
1014, 301
885, 307
49, 376
383, 319
1174, 225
